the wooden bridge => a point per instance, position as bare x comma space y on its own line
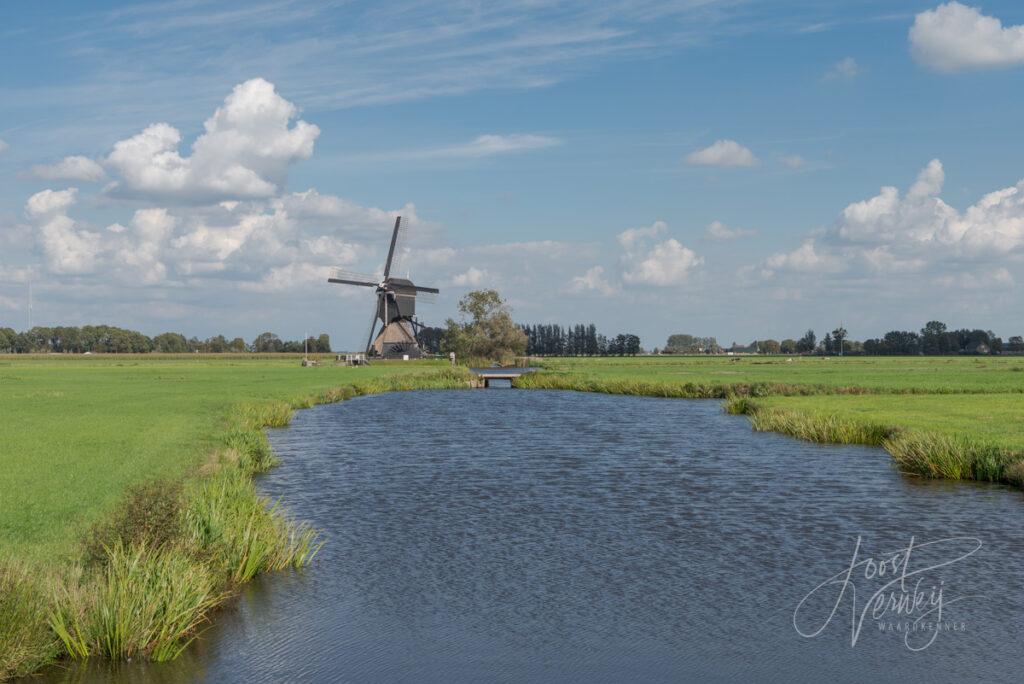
485, 376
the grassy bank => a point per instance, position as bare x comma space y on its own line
137, 577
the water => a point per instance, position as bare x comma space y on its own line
549, 536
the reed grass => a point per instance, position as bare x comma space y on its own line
143, 602
26, 640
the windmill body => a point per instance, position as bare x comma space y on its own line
395, 310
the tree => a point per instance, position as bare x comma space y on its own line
805, 345
1014, 344
485, 329
170, 343
827, 345
788, 346
768, 347
237, 345
839, 335
935, 339
267, 342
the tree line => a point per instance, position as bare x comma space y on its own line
577, 340
108, 339
934, 339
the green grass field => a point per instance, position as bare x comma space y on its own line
78, 431
894, 374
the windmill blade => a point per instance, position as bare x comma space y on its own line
430, 290
391, 250
354, 278
373, 325
342, 281
426, 298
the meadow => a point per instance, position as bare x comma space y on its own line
145, 463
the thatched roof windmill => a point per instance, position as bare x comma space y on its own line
395, 307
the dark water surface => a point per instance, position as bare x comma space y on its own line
512, 536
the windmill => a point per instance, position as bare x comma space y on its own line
395, 307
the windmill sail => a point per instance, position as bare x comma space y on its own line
395, 308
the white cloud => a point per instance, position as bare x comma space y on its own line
720, 232
845, 69
245, 151
914, 233
471, 277
3, 146
142, 246
804, 259
69, 249
793, 161
666, 263
592, 281
70, 168
343, 214
954, 37
723, 153
486, 145
631, 236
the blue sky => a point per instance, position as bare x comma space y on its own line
710, 167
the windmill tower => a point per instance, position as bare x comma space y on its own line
395, 309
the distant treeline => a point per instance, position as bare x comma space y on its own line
933, 339
109, 339
577, 340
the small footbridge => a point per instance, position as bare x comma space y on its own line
497, 377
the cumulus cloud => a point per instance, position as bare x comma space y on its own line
804, 259
955, 37
70, 168
592, 281
723, 153
631, 236
843, 70
668, 263
665, 263
245, 151
915, 232
719, 232
69, 248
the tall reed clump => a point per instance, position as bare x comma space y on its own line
240, 533
813, 427
144, 602
26, 640
953, 457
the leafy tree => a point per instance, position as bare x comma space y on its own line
788, 346
1014, 344
237, 345
267, 342
805, 345
838, 336
768, 347
170, 343
485, 329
